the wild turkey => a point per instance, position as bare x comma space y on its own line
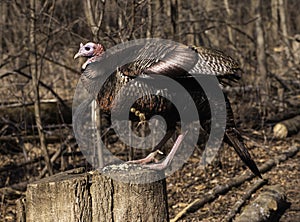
175, 62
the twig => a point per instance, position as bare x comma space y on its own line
212, 194
22, 185
237, 206
52, 160
10, 191
281, 158
19, 72
49, 138
57, 154
15, 167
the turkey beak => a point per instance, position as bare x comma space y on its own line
77, 55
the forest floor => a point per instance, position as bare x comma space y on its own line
191, 182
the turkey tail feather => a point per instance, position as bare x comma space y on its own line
236, 140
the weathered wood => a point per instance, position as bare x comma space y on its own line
93, 196
132, 201
266, 206
237, 206
287, 127
62, 197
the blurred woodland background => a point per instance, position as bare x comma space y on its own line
38, 40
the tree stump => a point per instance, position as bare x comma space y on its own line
76, 195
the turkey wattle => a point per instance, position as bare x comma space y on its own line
212, 62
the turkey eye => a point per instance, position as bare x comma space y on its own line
87, 48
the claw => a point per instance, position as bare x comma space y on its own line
147, 159
166, 162
141, 123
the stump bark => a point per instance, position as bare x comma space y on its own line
91, 196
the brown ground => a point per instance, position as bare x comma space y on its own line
189, 183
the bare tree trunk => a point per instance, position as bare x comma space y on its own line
180, 18
260, 40
131, 24
94, 12
260, 43
168, 16
2, 22
274, 12
211, 35
284, 26
99, 147
274, 35
261, 80
296, 48
157, 18
197, 26
190, 37
229, 14
33, 59
120, 23
174, 18
150, 19
155, 12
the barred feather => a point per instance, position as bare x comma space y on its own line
177, 62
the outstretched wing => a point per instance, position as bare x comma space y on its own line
176, 61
